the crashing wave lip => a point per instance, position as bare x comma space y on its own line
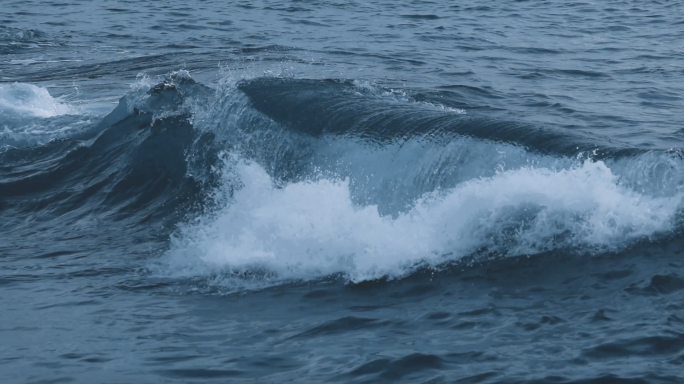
20, 99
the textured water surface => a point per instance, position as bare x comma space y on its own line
341, 191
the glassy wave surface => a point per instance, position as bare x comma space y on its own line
341, 192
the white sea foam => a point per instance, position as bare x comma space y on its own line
307, 230
30, 100
29, 115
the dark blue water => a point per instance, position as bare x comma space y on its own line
341, 191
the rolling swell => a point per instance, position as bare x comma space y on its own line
318, 107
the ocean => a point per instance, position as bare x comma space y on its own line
341, 191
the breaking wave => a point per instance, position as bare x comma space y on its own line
266, 180
317, 183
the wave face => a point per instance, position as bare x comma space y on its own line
323, 178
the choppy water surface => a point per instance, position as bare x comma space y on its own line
341, 191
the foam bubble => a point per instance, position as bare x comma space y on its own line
310, 229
